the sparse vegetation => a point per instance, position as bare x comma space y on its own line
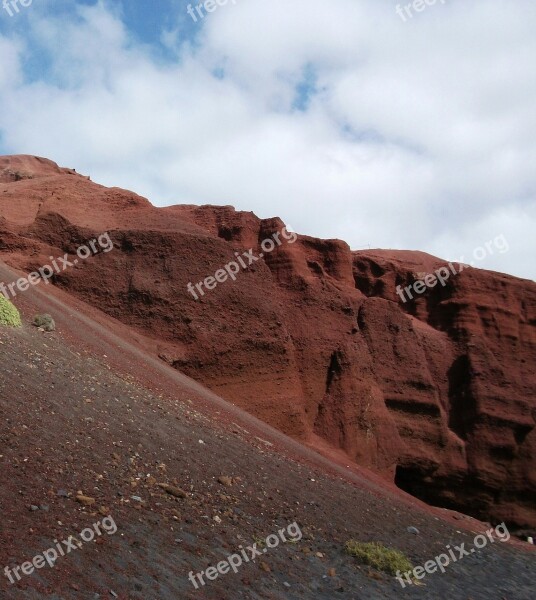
9, 315
45, 322
16, 175
379, 556
21, 175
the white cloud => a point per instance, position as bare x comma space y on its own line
421, 134
10, 72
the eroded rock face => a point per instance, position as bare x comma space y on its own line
475, 339
438, 394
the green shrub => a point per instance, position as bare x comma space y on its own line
45, 321
9, 315
379, 556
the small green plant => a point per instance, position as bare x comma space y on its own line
45, 322
20, 175
9, 315
379, 556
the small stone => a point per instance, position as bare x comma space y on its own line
413, 530
44, 507
85, 500
374, 575
224, 480
332, 572
320, 555
62, 494
217, 519
265, 566
136, 499
286, 584
33, 507
174, 491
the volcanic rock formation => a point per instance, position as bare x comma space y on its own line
438, 393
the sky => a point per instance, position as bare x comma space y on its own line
411, 130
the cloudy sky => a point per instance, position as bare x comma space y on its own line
342, 117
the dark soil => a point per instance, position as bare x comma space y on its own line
83, 409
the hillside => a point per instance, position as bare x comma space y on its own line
436, 394
86, 409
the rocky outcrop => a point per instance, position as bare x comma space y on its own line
437, 394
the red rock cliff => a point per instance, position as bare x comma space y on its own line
437, 393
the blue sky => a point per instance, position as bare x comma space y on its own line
340, 117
